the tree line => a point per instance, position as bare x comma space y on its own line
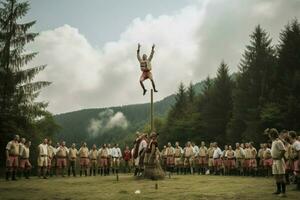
265, 92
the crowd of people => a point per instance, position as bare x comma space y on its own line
242, 159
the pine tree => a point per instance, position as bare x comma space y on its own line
191, 93
255, 86
288, 75
18, 109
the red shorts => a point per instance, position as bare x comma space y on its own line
61, 162
103, 162
296, 166
268, 162
289, 165
49, 162
247, 163
225, 162
253, 163
217, 162
231, 163
170, 160
145, 75
84, 161
203, 160
13, 161
24, 163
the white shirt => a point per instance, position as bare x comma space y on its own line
143, 145
43, 149
109, 151
296, 145
217, 153
116, 152
196, 150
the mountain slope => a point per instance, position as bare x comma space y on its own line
109, 125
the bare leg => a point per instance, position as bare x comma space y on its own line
153, 85
144, 89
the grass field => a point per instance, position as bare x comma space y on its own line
177, 187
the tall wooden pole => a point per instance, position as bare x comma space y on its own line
151, 112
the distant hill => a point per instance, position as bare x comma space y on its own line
113, 124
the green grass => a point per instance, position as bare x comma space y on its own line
178, 187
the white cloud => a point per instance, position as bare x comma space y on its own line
190, 45
106, 120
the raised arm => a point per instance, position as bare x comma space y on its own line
138, 53
152, 52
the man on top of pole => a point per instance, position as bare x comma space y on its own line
145, 64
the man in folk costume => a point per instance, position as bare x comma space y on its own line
127, 159
260, 160
289, 160
153, 169
210, 152
296, 148
93, 155
195, 163
84, 158
43, 159
278, 166
240, 158
62, 153
224, 161
203, 158
170, 151
21, 147
12, 158
178, 157
267, 160
141, 154
253, 161
72, 160
164, 157
188, 158
135, 152
51, 168
230, 155
217, 158
109, 158
102, 160
25, 165
145, 65
247, 162
116, 157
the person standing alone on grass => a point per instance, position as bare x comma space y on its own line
278, 167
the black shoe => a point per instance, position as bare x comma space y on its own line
277, 192
7, 176
144, 92
155, 90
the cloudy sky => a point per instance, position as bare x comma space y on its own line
90, 46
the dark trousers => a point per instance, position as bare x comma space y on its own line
71, 168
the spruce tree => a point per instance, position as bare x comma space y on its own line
18, 109
288, 75
255, 86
